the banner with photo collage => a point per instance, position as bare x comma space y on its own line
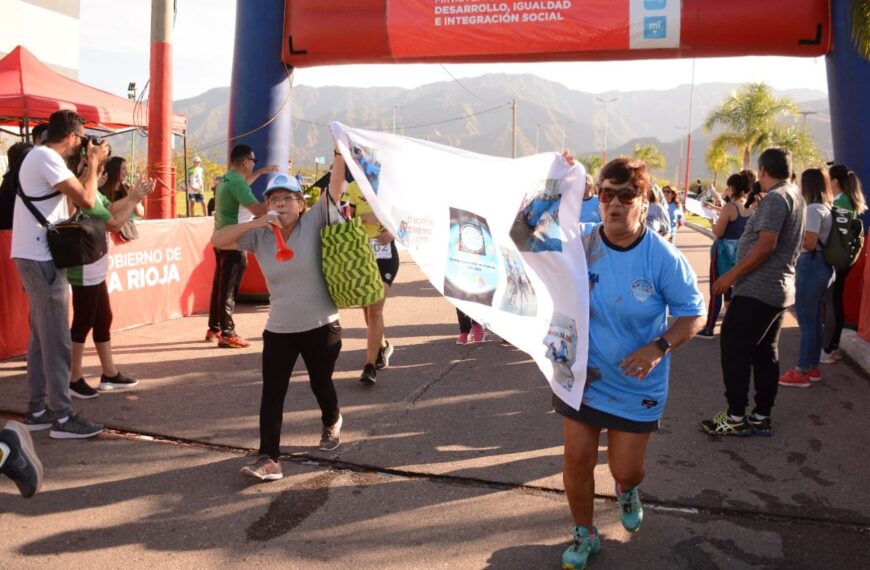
499, 238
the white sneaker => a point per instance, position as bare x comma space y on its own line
828, 357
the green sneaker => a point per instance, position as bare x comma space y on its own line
584, 544
631, 508
722, 424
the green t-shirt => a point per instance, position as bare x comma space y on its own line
93, 273
361, 206
230, 195
843, 201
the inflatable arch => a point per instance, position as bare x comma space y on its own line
280, 35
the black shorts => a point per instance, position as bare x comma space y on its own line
389, 267
594, 417
197, 198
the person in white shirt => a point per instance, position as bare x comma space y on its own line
51, 186
196, 187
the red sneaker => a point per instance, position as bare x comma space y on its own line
478, 333
212, 336
462, 338
795, 378
233, 342
815, 375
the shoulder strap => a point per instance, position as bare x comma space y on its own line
33, 209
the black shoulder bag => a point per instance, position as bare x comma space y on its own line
80, 240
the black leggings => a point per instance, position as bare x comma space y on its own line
91, 310
319, 349
465, 322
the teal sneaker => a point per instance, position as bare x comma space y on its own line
631, 507
576, 556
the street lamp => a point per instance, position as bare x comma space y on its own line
607, 103
131, 95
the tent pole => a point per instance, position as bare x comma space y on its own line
186, 181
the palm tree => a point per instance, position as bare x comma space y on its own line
749, 118
802, 146
720, 161
861, 26
592, 163
651, 156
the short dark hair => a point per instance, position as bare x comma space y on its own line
622, 170
240, 152
38, 132
776, 161
61, 124
740, 184
16, 154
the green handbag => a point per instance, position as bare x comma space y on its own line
349, 265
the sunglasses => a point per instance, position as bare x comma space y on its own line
252, 159
288, 197
626, 195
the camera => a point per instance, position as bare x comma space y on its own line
92, 140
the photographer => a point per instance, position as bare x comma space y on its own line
50, 185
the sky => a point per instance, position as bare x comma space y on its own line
115, 39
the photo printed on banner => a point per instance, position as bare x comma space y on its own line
367, 160
536, 226
471, 272
413, 232
561, 343
519, 294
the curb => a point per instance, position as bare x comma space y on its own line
857, 348
700, 229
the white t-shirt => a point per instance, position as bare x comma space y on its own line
195, 180
41, 170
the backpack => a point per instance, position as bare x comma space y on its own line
846, 239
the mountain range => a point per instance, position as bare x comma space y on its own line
476, 115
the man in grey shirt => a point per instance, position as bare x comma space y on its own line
764, 286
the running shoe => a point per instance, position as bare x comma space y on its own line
212, 336
829, 357
22, 465
384, 354
760, 426
74, 428
369, 374
331, 436
39, 422
118, 382
234, 341
706, 334
478, 333
585, 543
263, 469
631, 509
794, 378
814, 374
723, 424
462, 338
82, 390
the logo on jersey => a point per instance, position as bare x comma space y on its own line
642, 290
649, 403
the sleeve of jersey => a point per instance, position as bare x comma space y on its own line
243, 194
772, 213
248, 242
680, 286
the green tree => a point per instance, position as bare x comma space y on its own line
861, 26
591, 162
651, 156
720, 161
750, 119
802, 146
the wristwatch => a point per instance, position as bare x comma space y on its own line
663, 344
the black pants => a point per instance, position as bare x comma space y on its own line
91, 310
465, 322
319, 349
750, 347
835, 321
228, 271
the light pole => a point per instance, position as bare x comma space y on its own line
131, 95
689, 137
537, 136
679, 160
607, 103
395, 108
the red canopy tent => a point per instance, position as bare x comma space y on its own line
30, 92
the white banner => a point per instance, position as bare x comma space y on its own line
499, 238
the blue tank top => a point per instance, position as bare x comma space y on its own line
735, 228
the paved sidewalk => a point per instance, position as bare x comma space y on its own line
453, 460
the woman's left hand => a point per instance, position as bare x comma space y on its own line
641, 361
385, 237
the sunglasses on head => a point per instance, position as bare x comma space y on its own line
626, 195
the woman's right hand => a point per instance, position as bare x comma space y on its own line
267, 221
